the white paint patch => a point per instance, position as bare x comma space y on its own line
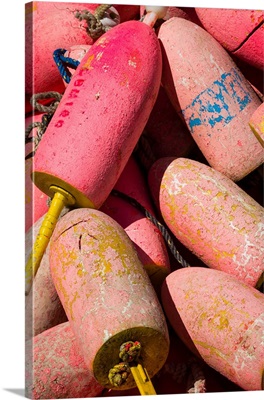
132, 63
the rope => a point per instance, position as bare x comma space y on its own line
63, 63
160, 227
128, 353
43, 96
144, 152
119, 374
45, 119
95, 28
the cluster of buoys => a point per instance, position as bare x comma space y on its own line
144, 214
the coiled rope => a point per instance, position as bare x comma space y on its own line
95, 28
63, 63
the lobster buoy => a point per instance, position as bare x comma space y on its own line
107, 295
242, 36
43, 308
87, 145
145, 236
216, 107
55, 368
211, 215
256, 123
220, 319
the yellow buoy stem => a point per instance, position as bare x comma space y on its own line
142, 380
59, 201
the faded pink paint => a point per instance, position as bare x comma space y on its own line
212, 217
243, 35
102, 114
50, 26
219, 318
43, 308
105, 290
55, 368
146, 237
216, 105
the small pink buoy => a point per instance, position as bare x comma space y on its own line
146, 237
215, 105
43, 308
220, 319
211, 215
55, 368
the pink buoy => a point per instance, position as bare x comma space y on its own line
43, 308
55, 368
256, 123
86, 144
242, 36
106, 294
146, 237
212, 216
215, 105
220, 319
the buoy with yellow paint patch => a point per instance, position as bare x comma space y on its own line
220, 319
86, 145
147, 239
43, 308
213, 97
108, 298
55, 368
211, 215
256, 123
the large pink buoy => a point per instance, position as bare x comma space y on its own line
220, 319
101, 115
212, 216
106, 294
148, 240
215, 105
55, 368
242, 36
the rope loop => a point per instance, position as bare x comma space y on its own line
95, 28
118, 374
130, 351
64, 63
43, 96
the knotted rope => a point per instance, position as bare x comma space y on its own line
95, 28
128, 353
45, 120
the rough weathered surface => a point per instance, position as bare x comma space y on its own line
219, 318
243, 35
88, 143
215, 105
211, 216
43, 308
55, 368
106, 293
